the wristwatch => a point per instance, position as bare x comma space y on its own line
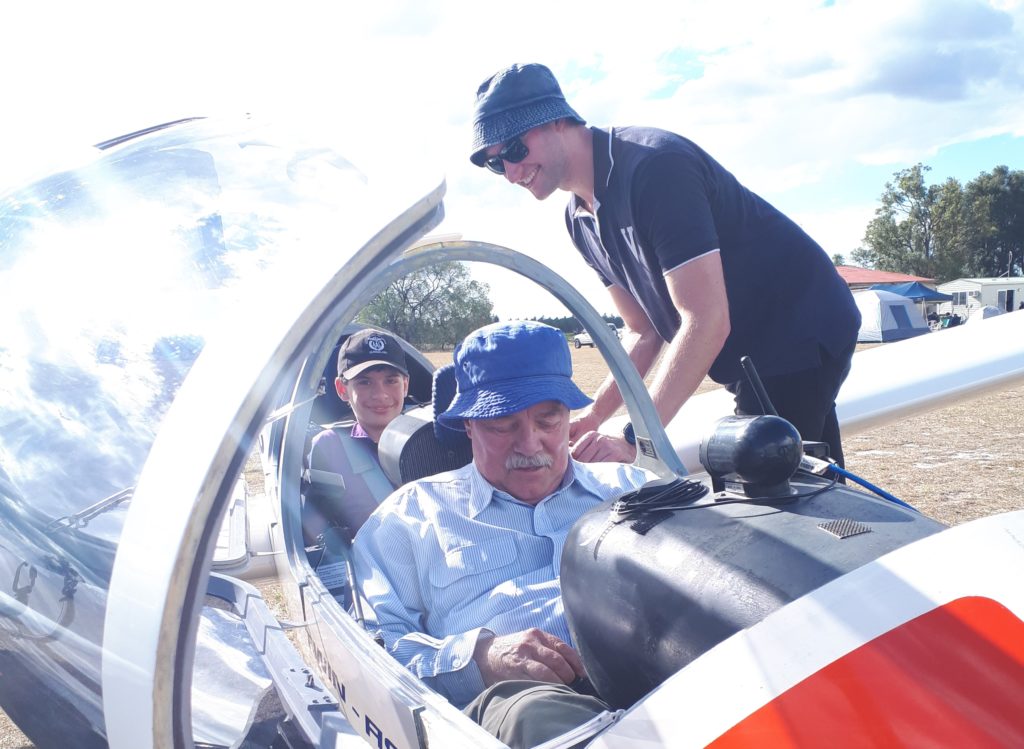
628, 434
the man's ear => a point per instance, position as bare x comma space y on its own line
339, 385
468, 425
405, 390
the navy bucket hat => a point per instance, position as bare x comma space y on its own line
512, 101
507, 367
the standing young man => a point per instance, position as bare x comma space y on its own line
692, 259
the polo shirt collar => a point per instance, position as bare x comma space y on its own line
603, 165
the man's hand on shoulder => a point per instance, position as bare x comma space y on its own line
531, 654
595, 447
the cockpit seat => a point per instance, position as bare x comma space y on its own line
354, 460
323, 492
415, 444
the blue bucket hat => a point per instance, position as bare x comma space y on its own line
512, 101
507, 367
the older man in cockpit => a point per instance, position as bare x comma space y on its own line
461, 568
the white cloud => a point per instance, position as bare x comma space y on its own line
838, 231
785, 94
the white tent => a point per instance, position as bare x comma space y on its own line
983, 313
885, 316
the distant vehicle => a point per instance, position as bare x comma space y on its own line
583, 339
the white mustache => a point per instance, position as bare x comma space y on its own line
540, 460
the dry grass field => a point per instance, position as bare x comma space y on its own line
954, 464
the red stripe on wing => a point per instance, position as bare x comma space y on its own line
953, 677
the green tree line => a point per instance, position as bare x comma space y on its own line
948, 231
438, 306
570, 325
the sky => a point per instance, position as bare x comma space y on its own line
813, 105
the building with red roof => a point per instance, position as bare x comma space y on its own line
864, 278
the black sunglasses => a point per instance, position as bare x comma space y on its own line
513, 152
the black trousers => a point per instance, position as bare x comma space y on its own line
807, 399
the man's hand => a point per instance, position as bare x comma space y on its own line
531, 654
595, 447
584, 422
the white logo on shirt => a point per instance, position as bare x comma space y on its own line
630, 236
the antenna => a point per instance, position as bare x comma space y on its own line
755, 382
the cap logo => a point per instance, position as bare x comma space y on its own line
376, 344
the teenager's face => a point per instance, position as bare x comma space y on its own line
524, 454
376, 396
545, 166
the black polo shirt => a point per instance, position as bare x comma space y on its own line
661, 201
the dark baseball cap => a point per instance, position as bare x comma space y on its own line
512, 101
369, 348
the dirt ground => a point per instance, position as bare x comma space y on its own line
954, 464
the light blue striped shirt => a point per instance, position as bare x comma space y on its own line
449, 556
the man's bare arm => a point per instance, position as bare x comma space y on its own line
698, 291
641, 342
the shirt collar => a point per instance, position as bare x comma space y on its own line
482, 492
603, 164
358, 431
